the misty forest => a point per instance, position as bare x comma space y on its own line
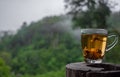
43, 48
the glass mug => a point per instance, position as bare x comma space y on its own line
94, 44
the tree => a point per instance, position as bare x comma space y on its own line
89, 13
4, 69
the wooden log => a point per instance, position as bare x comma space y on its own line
82, 69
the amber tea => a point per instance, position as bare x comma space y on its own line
93, 43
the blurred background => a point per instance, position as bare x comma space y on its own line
39, 37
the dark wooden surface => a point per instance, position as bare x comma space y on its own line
82, 69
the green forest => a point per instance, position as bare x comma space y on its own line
39, 49
43, 48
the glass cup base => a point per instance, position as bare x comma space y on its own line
89, 61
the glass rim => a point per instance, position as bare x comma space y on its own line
91, 31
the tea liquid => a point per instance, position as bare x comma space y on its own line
93, 45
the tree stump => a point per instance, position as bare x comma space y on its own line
82, 69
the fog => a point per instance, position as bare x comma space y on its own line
14, 12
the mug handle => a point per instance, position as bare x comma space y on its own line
109, 47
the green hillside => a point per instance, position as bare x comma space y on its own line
44, 47
41, 47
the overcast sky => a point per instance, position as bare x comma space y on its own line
14, 12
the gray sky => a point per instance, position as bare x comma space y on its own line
14, 12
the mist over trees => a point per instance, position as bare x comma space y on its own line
44, 47
41, 47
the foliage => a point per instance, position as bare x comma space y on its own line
4, 69
42, 49
34, 59
60, 73
114, 20
39, 48
89, 13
